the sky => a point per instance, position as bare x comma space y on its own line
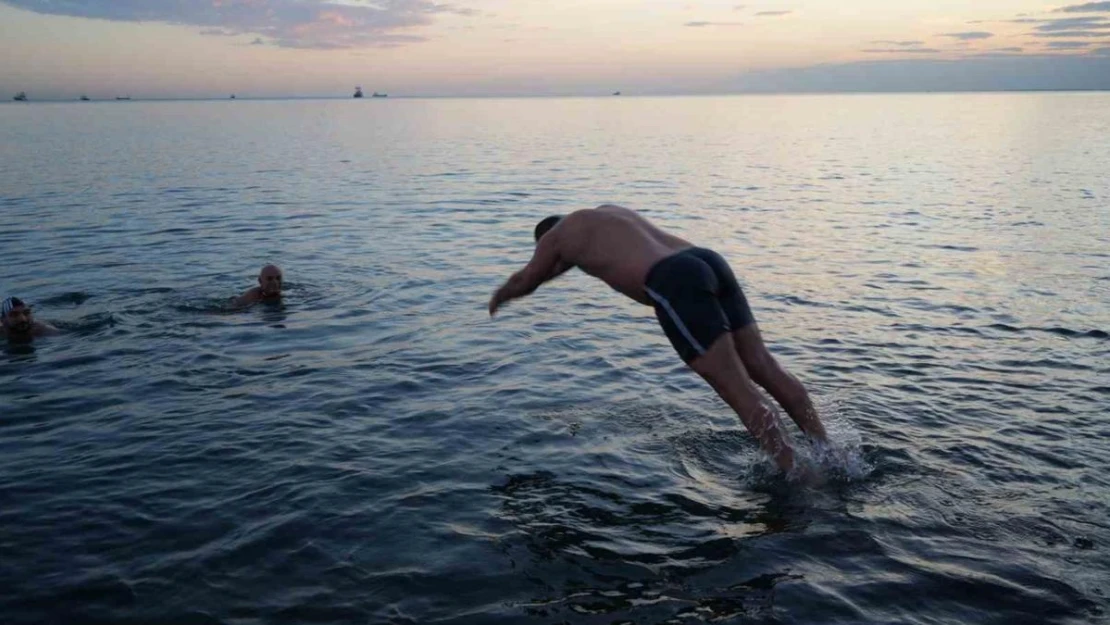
60, 49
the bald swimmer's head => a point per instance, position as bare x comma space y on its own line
269, 281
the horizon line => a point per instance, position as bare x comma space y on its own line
751, 92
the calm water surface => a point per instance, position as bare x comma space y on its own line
375, 449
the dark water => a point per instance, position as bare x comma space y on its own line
936, 268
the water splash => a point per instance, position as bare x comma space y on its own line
842, 458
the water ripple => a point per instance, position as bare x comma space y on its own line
376, 449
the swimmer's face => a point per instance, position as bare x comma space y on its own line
270, 281
19, 320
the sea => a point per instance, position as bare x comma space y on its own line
375, 448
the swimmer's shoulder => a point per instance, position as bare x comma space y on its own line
250, 296
45, 329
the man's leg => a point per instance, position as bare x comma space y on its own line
685, 291
780, 383
721, 367
761, 365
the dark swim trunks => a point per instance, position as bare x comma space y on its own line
697, 299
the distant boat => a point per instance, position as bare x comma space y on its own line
84, 98
358, 92
121, 98
232, 96
380, 95
616, 93
20, 97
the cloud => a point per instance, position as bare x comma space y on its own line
1069, 45
1001, 53
1090, 7
969, 36
973, 73
1073, 23
901, 50
1007, 50
1101, 51
1075, 33
704, 24
739, 7
1087, 26
320, 24
885, 42
772, 13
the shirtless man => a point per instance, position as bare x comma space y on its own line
697, 300
268, 289
17, 324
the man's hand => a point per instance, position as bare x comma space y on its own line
495, 302
545, 265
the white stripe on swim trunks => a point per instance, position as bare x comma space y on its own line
677, 320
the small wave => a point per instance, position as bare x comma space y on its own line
1059, 331
88, 324
799, 301
1094, 334
872, 309
176, 190
918, 327
75, 298
954, 248
210, 305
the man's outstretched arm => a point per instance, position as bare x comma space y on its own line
545, 265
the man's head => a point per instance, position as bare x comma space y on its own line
16, 316
545, 225
269, 280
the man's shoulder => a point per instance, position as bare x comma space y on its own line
45, 329
249, 296
578, 219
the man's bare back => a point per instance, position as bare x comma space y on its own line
615, 245
698, 302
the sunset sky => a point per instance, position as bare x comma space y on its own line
268, 48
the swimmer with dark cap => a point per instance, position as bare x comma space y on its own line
268, 289
17, 324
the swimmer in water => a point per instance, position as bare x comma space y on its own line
268, 289
696, 299
17, 324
